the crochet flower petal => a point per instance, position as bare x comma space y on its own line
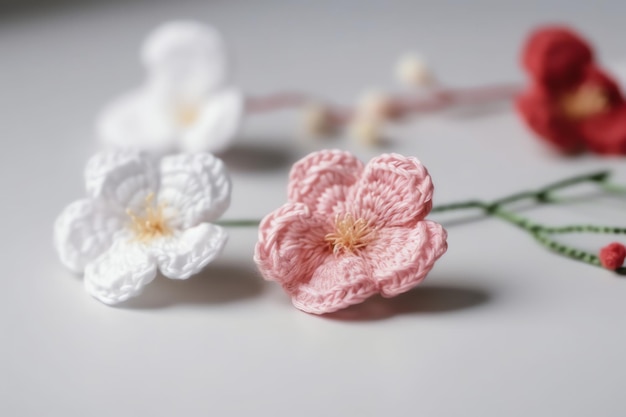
338, 283
556, 56
195, 188
537, 110
122, 180
322, 179
188, 253
186, 57
120, 273
402, 257
394, 191
606, 132
217, 123
290, 246
82, 232
137, 121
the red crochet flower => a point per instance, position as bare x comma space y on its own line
570, 101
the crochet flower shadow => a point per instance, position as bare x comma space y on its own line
350, 231
571, 102
141, 215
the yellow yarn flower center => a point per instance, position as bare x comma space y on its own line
151, 223
584, 102
350, 234
186, 114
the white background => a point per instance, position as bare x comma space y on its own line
500, 328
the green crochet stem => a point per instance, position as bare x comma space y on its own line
541, 195
541, 233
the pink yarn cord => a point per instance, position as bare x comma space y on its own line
437, 99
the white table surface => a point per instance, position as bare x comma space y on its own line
500, 328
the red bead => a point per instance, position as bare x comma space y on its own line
612, 256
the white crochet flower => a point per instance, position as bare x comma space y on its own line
140, 215
186, 102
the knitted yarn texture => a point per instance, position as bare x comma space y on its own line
350, 231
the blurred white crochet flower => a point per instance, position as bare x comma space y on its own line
318, 120
368, 131
140, 215
186, 102
372, 114
413, 71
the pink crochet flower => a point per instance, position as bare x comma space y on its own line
348, 232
